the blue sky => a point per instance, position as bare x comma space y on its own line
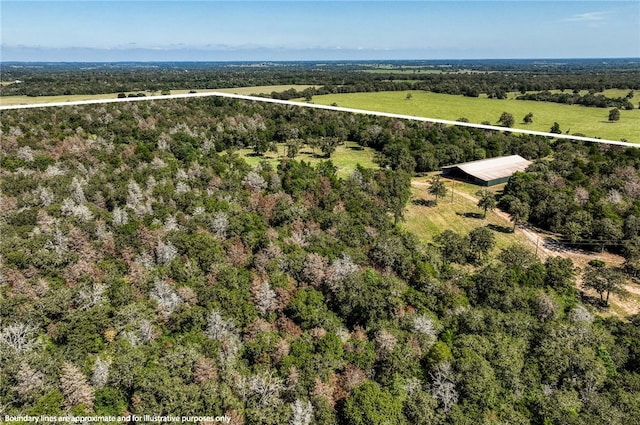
316, 30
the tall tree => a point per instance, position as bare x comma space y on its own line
481, 242
603, 280
614, 114
395, 189
453, 247
328, 145
555, 128
437, 188
519, 212
528, 119
506, 119
486, 201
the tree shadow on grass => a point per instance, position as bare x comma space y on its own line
424, 202
501, 229
470, 215
320, 156
356, 148
593, 301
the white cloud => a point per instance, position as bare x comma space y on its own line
588, 17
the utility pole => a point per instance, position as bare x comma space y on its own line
453, 182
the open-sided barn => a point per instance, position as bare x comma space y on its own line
487, 172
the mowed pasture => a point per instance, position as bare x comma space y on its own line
458, 213
27, 100
591, 122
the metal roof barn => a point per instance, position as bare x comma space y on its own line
487, 172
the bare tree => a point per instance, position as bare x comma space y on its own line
25, 153
427, 326
341, 269
302, 412
443, 387
77, 193
45, 195
266, 387
59, 242
264, 297
20, 337
91, 296
100, 372
254, 181
120, 216
74, 387
220, 224
165, 252
28, 379
135, 198
224, 331
165, 296
315, 269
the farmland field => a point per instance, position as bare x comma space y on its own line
592, 122
24, 100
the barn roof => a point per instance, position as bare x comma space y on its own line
493, 168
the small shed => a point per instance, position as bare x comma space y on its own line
487, 172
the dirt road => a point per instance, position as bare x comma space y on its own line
546, 247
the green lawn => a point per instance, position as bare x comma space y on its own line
345, 158
592, 122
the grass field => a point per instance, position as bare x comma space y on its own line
460, 215
24, 100
592, 122
345, 158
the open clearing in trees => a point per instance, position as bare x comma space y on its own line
346, 157
591, 122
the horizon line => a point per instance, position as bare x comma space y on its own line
330, 60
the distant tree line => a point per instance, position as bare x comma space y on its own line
462, 78
589, 99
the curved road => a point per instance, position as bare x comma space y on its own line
330, 108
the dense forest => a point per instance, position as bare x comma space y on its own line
588, 194
145, 268
470, 78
